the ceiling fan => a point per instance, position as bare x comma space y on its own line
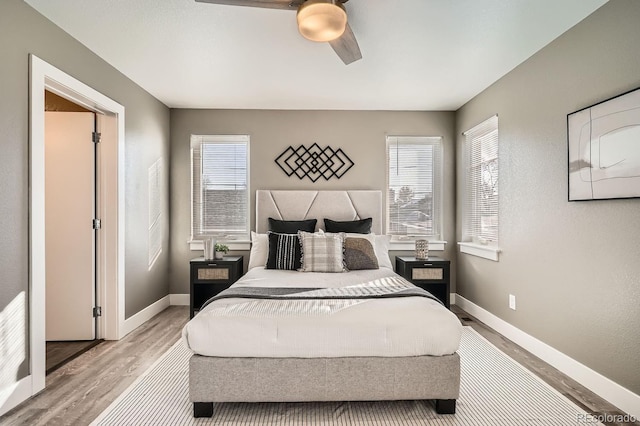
318, 20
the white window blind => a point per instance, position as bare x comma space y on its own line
220, 186
481, 198
414, 186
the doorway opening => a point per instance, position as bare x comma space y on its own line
71, 235
109, 265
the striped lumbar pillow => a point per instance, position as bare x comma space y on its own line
284, 251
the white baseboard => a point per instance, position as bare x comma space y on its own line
143, 316
179, 299
14, 394
452, 298
619, 396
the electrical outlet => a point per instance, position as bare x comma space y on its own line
512, 302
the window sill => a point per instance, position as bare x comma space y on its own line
398, 245
198, 245
486, 252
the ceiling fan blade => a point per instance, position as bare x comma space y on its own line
267, 4
347, 47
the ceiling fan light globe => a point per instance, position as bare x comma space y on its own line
321, 20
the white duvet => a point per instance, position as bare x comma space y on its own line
390, 327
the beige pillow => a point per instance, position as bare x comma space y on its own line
322, 252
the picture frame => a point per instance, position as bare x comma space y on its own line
604, 149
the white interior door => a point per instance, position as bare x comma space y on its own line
69, 234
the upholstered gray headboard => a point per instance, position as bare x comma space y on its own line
335, 205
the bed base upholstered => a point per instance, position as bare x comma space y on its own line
218, 379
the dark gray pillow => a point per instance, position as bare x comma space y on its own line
292, 226
362, 226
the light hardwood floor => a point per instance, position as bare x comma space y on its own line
60, 353
79, 391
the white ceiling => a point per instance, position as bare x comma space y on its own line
417, 54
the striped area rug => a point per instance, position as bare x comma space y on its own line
495, 390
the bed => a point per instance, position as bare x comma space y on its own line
313, 343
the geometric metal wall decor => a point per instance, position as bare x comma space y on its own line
314, 162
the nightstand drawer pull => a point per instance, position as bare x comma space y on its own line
427, 274
213, 273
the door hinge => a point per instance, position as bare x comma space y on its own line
95, 136
97, 224
97, 311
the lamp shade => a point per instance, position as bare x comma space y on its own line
321, 20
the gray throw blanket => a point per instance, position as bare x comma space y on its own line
377, 289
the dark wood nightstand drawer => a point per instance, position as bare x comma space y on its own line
430, 274
210, 277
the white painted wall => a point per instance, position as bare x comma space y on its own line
573, 266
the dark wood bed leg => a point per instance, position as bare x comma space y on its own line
445, 406
202, 409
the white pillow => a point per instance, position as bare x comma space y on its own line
259, 250
382, 251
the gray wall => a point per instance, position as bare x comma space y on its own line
24, 31
574, 267
361, 134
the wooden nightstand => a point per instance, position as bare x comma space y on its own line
431, 274
210, 277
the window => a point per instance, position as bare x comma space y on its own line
414, 186
481, 192
220, 186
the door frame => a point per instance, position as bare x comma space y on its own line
110, 198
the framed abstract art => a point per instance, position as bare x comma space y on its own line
604, 149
